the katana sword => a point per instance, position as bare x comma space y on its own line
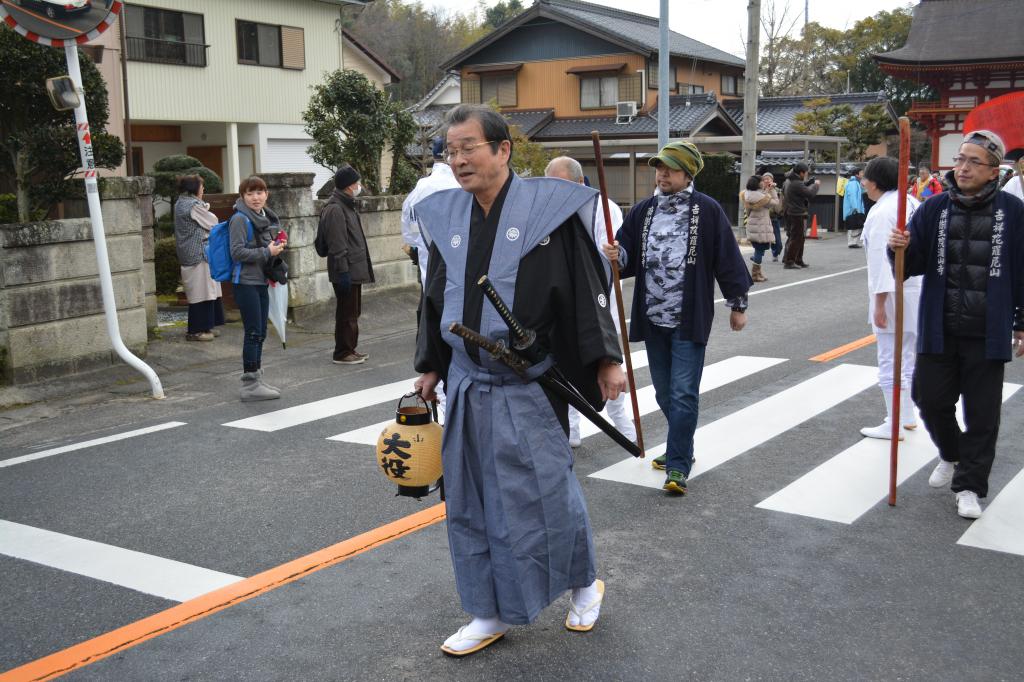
549, 379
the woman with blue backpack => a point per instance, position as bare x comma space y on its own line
256, 238
192, 224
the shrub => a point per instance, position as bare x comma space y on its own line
167, 170
168, 270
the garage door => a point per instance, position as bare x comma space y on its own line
289, 156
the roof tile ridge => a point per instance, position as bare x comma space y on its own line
601, 9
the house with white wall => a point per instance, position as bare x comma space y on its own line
227, 81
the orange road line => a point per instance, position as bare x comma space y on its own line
115, 641
844, 349
42, 18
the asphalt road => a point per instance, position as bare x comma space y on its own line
708, 587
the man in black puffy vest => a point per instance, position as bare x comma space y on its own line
969, 245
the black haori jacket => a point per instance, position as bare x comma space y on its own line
927, 254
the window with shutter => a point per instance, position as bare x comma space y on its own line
293, 48
471, 91
261, 44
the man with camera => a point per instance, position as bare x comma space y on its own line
797, 194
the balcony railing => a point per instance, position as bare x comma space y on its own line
166, 51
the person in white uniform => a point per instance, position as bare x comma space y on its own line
879, 182
441, 177
1016, 184
568, 168
413, 234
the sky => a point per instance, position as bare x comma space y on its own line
721, 23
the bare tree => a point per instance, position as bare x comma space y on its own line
777, 24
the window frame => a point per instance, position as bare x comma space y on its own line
496, 78
280, 45
600, 77
735, 81
138, 52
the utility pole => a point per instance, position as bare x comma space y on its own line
749, 150
807, 13
663, 63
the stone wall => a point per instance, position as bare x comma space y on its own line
310, 291
51, 308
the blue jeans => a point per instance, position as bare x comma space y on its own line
254, 304
676, 366
759, 249
777, 246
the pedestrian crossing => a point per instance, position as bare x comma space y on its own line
715, 376
840, 489
722, 440
848, 485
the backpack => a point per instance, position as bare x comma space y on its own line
218, 252
320, 242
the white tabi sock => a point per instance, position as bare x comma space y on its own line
469, 636
583, 597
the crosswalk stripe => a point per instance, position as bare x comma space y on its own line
999, 528
715, 375
851, 483
722, 440
146, 573
328, 407
88, 444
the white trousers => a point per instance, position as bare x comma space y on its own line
886, 343
618, 412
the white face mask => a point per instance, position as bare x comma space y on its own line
358, 190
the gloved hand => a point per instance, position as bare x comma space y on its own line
345, 282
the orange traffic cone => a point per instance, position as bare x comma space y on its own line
814, 227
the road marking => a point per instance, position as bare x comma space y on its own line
999, 528
844, 349
328, 407
755, 292
146, 573
116, 641
715, 375
722, 440
368, 435
88, 444
851, 483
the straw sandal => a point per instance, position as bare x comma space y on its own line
482, 642
573, 609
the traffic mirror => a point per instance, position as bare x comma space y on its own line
63, 93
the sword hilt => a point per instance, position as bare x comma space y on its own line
498, 350
522, 337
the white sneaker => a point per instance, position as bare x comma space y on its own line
967, 504
883, 431
942, 474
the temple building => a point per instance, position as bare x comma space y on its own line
969, 52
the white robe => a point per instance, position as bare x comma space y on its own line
441, 177
620, 416
1015, 187
880, 222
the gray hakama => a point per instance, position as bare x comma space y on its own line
517, 523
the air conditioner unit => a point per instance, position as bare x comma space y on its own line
625, 112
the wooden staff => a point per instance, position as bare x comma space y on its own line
897, 363
617, 284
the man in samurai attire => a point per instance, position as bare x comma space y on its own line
517, 524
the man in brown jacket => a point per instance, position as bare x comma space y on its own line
348, 263
798, 192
